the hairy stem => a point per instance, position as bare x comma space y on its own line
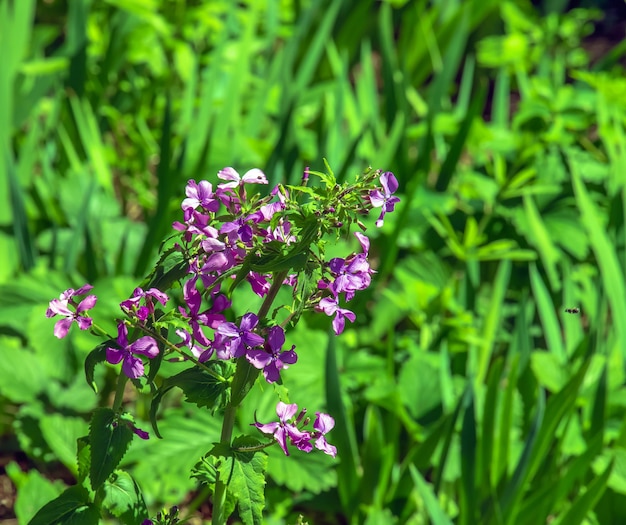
244, 378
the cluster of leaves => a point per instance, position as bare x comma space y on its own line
485, 402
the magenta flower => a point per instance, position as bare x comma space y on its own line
200, 194
323, 424
272, 360
385, 200
330, 306
61, 307
132, 305
253, 176
132, 366
238, 337
282, 429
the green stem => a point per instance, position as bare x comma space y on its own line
244, 378
119, 391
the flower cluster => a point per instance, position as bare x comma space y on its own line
286, 428
227, 237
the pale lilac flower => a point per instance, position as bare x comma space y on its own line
200, 194
329, 306
323, 424
385, 200
61, 307
283, 429
272, 360
132, 365
253, 176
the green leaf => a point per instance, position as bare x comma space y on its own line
109, 441
425, 490
200, 387
585, 502
70, 507
96, 356
122, 498
61, 433
311, 472
33, 491
246, 475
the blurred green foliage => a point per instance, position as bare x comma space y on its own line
464, 394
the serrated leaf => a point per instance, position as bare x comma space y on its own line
61, 433
96, 356
300, 471
109, 442
61, 510
247, 484
122, 497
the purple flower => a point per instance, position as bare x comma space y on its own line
330, 307
282, 429
61, 307
259, 283
239, 336
142, 312
323, 424
253, 176
132, 366
207, 318
272, 360
200, 194
386, 200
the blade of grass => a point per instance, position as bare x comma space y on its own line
434, 510
549, 320
603, 248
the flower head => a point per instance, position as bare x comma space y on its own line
237, 338
61, 307
385, 200
283, 429
272, 360
132, 365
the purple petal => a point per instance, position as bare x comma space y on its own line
145, 346
267, 428
228, 329
324, 446
114, 355
365, 242
323, 422
249, 321
376, 198
132, 366
389, 182
271, 373
252, 339
229, 174
84, 323
122, 335
83, 289
87, 303
288, 358
58, 307
254, 176
285, 411
259, 359
61, 327
276, 338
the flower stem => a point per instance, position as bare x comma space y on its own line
244, 378
119, 391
